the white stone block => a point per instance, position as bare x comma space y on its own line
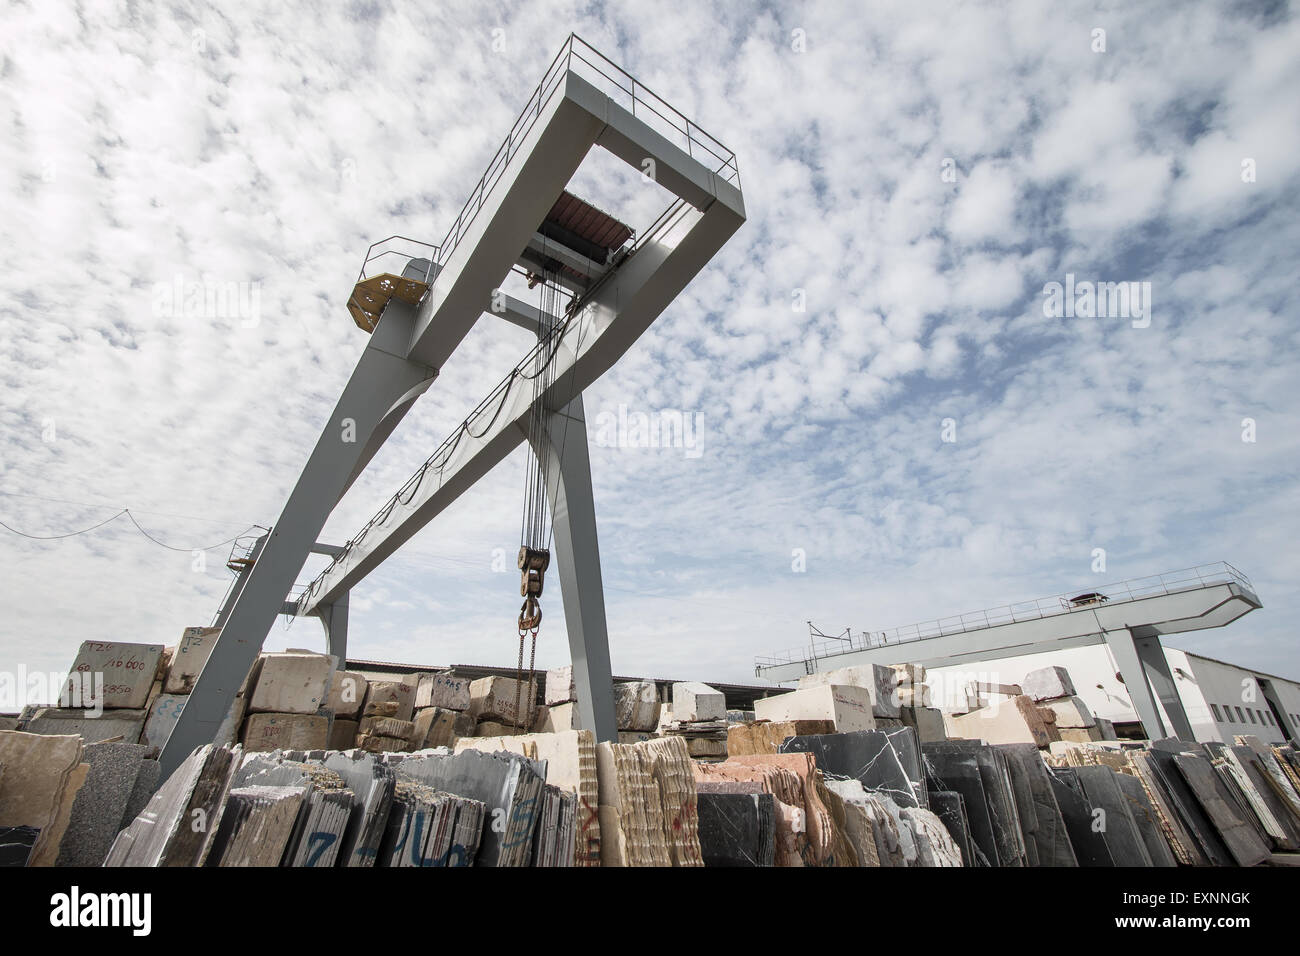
1048, 683
914, 695
693, 701
847, 706
192, 652
110, 674
559, 685
557, 718
908, 674
442, 690
879, 680
292, 683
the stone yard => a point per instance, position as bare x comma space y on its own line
317, 766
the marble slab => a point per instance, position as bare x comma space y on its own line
1090, 846
1044, 826
886, 761
1147, 820
1216, 800
736, 829
1117, 826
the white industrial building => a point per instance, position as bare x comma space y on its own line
1220, 699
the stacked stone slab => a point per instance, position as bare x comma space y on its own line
424, 826
647, 804
510, 787
570, 761
699, 716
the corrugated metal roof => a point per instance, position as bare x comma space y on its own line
586, 221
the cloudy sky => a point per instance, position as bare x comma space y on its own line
914, 176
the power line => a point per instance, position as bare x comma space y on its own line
138, 527
101, 504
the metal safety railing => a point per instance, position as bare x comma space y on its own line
1134, 589
581, 58
392, 255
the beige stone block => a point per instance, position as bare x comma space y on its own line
375, 744
387, 727
848, 707
1080, 734
766, 737
347, 694
401, 692
1071, 712
904, 674
1013, 720
914, 695
694, 702
191, 654
343, 735
39, 779
496, 699
557, 718
437, 727
443, 690
703, 747
292, 683
264, 732
125, 672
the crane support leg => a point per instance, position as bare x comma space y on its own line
382, 384
1142, 665
334, 618
577, 558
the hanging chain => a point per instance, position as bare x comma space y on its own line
534, 553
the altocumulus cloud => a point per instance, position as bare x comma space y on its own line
913, 178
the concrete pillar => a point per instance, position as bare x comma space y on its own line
382, 382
